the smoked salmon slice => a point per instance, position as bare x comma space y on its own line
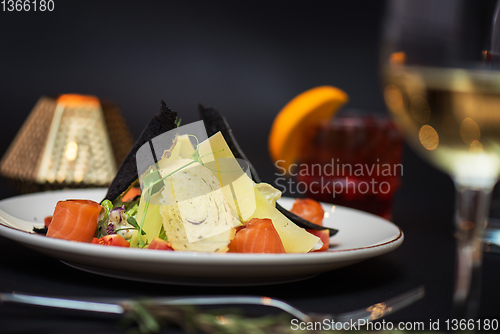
257, 236
75, 220
309, 209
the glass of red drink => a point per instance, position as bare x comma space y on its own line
354, 160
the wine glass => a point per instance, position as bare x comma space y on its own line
441, 83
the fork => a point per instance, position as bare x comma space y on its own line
18, 224
120, 306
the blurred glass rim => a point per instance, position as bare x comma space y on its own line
442, 33
359, 118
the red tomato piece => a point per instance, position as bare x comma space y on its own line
113, 240
324, 235
159, 243
257, 236
95, 240
309, 209
47, 221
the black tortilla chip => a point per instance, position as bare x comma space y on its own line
163, 121
215, 122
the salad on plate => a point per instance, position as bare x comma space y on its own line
191, 188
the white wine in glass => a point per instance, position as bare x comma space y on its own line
446, 97
451, 116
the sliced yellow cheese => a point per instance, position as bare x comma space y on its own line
134, 240
186, 148
152, 222
183, 149
236, 185
196, 215
168, 157
294, 238
270, 193
248, 200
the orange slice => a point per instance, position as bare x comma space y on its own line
294, 126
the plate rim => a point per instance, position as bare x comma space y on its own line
199, 257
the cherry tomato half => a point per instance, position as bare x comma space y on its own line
159, 243
309, 209
112, 240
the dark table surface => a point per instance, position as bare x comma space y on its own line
423, 208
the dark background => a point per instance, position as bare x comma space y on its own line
247, 59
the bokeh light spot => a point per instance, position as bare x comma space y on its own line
428, 137
469, 131
394, 99
476, 147
71, 151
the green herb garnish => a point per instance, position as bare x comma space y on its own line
131, 212
162, 234
133, 222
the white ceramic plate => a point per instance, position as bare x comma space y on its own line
361, 236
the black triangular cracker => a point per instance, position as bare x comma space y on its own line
214, 122
163, 121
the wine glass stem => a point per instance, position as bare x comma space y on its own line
471, 217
